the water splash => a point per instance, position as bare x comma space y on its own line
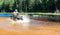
24, 22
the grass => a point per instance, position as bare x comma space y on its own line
32, 13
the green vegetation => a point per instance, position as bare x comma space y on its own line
46, 6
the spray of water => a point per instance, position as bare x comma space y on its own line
24, 22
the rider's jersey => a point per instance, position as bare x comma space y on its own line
15, 13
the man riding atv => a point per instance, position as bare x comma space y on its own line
15, 16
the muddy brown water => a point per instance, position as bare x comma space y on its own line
36, 27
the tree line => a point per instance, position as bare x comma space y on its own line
30, 5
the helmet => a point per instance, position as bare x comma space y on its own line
16, 10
